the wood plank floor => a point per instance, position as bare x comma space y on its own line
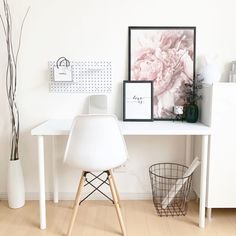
98, 218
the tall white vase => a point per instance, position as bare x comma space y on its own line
15, 185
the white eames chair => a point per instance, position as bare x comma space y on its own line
96, 144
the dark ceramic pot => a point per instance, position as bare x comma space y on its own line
191, 113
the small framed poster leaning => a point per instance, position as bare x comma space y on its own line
138, 100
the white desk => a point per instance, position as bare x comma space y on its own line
56, 127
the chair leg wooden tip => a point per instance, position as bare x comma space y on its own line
116, 203
76, 206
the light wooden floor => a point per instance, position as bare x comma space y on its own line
98, 218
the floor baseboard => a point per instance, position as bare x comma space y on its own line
66, 196
71, 196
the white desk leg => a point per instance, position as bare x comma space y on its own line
209, 214
42, 205
202, 205
188, 150
54, 172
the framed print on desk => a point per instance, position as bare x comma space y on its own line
166, 56
137, 100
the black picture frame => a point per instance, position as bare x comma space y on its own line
190, 31
149, 104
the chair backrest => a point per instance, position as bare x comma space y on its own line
97, 104
95, 143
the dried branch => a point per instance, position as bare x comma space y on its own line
11, 76
191, 92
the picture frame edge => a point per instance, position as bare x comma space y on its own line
194, 28
124, 93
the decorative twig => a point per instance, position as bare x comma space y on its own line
11, 76
191, 93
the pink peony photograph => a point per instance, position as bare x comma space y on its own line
166, 56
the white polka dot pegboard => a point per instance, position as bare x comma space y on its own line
88, 77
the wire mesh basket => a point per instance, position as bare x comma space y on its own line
170, 188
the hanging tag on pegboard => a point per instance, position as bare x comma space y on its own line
62, 71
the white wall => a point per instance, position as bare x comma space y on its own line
97, 29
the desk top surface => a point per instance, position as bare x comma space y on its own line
62, 127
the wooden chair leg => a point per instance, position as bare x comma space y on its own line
78, 193
81, 185
115, 187
118, 211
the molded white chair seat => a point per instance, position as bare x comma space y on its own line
96, 144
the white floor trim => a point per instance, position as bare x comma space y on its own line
96, 196
71, 196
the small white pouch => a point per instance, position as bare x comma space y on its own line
62, 73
